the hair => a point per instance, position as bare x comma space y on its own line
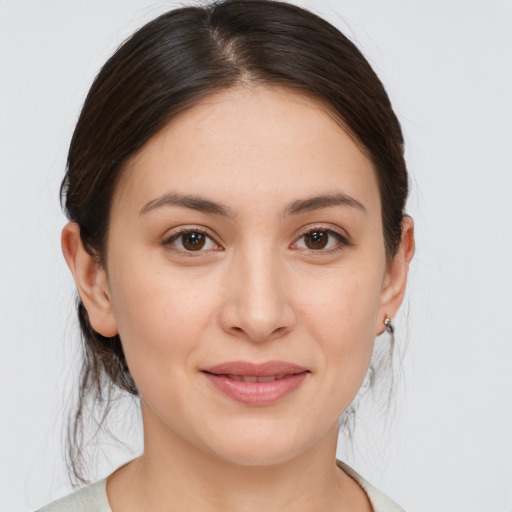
165, 68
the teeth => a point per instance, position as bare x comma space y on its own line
253, 378
271, 378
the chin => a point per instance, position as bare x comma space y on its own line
258, 446
257, 456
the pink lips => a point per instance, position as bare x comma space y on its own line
256, 384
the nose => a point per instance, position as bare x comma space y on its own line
256, 304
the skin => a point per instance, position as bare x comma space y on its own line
257, 291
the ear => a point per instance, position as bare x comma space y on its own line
91, 281
395, 279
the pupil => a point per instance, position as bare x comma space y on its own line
193, 241
316, 240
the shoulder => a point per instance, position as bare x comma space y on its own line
379, 501
92, 498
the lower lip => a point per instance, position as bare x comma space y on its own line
257, 393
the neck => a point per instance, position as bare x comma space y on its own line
172, 474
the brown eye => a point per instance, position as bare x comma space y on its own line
321, 241
193, 241
190, 241
316, 239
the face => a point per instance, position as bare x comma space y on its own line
248, 230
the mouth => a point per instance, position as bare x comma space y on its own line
256, 384
278, 369
254, 378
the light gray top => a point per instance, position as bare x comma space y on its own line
93, 498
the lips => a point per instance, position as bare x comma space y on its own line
256, 384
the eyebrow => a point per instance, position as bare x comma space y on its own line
187, 201
323, 201
201, 204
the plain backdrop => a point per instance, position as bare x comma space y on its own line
447, 66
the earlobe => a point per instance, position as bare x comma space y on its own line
91, 281
395, 280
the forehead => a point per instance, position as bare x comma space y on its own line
267, 142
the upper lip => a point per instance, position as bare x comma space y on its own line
245, 368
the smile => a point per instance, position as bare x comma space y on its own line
256, 384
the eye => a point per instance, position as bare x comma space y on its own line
191, 240
321, 239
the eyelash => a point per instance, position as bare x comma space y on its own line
342, 241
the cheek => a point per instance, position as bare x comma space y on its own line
161, 317
341, 303
340, 313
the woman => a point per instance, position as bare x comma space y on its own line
236, 190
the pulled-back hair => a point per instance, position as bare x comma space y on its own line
166, 67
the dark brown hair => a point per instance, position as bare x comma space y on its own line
165, 68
